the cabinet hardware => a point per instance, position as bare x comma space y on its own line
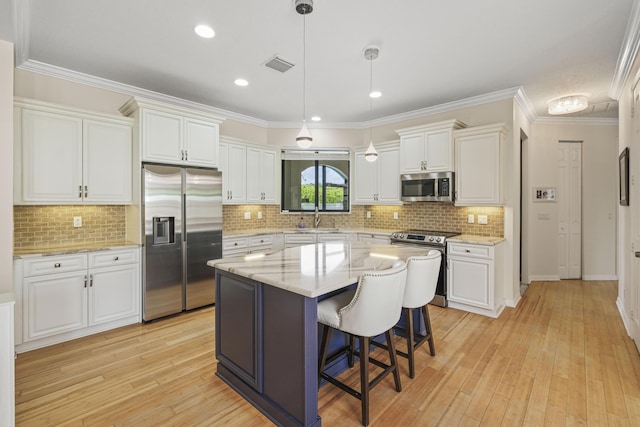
80, 191
86, 191
91, 280
85, 280
116, 258
235, 244
186, 155
637, 254
57, 265
467, 251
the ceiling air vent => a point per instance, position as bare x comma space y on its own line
279, 64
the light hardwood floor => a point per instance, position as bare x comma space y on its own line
562, 357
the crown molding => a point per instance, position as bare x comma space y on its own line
21, 30
628, 52
525, 104
580, 121
77, 77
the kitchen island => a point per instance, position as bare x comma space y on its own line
266, 320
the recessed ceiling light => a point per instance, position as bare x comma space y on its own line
241, 82
204, 31
316, 118
375, 94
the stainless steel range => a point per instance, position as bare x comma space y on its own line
431, 239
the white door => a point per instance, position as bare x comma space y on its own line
570, 210
633, 305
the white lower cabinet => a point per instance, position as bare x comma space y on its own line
69, 296
473, 280
298, 239
384, 239
237, 246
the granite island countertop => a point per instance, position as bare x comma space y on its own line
317, 269
260, 231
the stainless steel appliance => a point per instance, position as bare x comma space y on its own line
433, 240
182, 213
427, 187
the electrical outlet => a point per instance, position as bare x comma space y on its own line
395, 215
470, 219
259, 215
482, 219
368, 214
77, 221
247, 215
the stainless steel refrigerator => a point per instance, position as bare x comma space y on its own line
182, 213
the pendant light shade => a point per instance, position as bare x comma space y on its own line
304, 7
371, 53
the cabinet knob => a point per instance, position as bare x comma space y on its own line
467, 251
57, 265
235, 244
116, 258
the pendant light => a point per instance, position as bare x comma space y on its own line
304, 7
371, 53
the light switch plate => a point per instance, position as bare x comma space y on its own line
259, 215
247, 215
77, 221
395, 215
482, 219
470, 219
368, 214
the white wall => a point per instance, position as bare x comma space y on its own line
6, 166
599, 199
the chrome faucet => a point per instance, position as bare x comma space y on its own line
316, 220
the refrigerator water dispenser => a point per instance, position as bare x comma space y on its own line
163, 230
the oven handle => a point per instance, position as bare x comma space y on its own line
419, 245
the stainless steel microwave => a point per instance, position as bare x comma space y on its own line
427, 187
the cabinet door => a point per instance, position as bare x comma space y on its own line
201, 143
469, 282
161, 137
236, 174
51, 157
261, 181
107, 162
113, 293
388, 175
366, 187
439, 151
54, 304
412, 153
478, 169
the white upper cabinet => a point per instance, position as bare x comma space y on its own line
428, 148
249, 173
480, 164
175, 135
261, 185
70, 156
378, 182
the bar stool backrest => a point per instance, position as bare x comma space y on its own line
422, 279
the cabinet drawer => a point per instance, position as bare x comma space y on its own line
299, 239
54, 264
332, 237
475, 251
112, 258
260, 241
234, 246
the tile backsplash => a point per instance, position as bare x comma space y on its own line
40, 226
426, 216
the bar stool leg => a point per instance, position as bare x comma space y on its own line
427, 325
410, 342
394, 360
364, 379
324, 346
352, 349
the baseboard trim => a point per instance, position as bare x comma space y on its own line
543, 278
599, 277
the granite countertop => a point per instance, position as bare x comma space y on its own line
316, 269
476, 240
260, 231
71, 249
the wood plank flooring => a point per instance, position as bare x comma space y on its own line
562, 357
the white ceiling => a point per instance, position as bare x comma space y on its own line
431, 52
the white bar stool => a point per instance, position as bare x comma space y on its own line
373, 308
422, 279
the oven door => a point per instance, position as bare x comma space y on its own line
440, 298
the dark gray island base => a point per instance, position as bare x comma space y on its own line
267, 348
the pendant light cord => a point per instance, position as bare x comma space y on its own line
370, 99
304, 67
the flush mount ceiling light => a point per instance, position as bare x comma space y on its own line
371, 53
316, 118
204, 31
304, 7
241, 82
567, 104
